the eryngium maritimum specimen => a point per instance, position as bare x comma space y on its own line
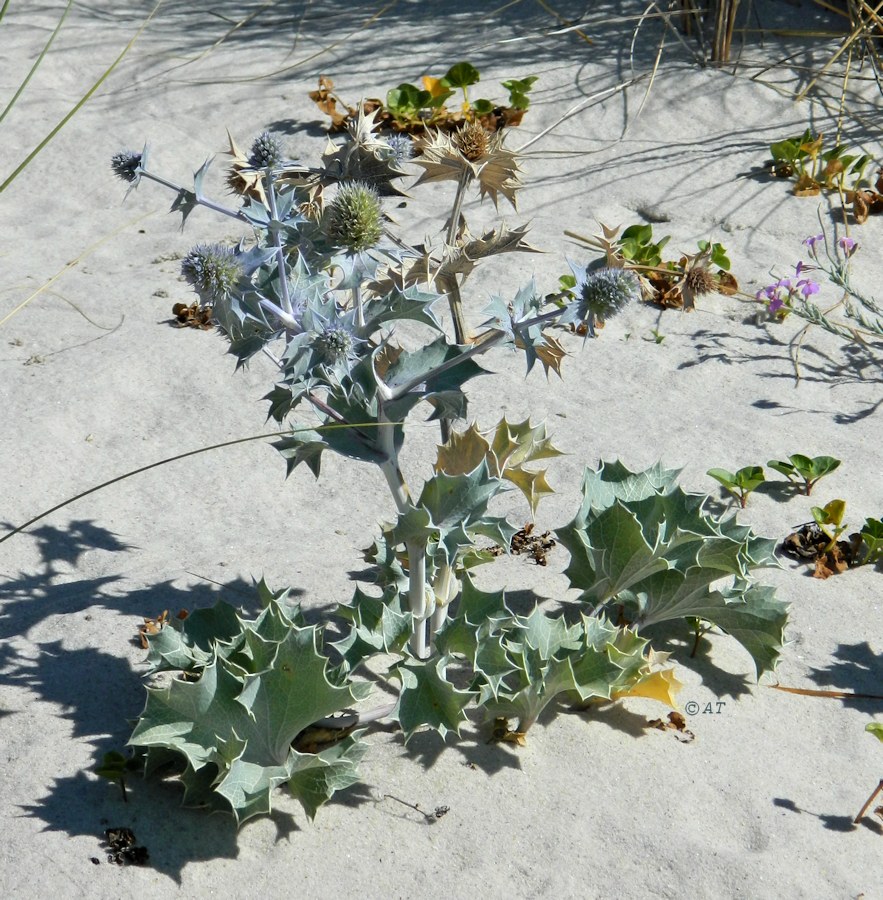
603, 293
213, 270
353, 219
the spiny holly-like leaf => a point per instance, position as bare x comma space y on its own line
463, 452
379, 625
462, 260
506, 450
188, 643
318, 776
427, 698
640, 542
236, 721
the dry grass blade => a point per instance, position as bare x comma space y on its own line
834, 695
38, 60
89, 250
79, 104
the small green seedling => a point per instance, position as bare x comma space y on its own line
872, 538
802, 158
740, 484
830, 516
637, 246
657, 336
799, 467
114, 766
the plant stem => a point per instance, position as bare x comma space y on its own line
416, 549
449, 282
202, 201
281, 267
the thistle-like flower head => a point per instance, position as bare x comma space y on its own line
600, 294
266, 151
353, 219
401, 149
126, 165
473, 140
699, 280
605, 292
213, 270
335, 344
476, 151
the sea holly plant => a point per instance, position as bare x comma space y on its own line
804, 469
323, 286
740, 483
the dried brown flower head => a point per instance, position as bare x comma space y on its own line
444, 157
700, 281
472, 140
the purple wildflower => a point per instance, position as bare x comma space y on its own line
812, 240
808, 287
776, 303
847, 245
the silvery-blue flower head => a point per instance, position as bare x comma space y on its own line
604, 292
213, 270
266, 151
401, 149
125, 165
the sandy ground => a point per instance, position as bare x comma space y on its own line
95, 382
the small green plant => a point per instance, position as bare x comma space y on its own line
410, 107
740, 483
802, 158
872, 539
809, 470
829, 518
114, 766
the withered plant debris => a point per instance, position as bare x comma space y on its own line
501, 734
193, 316
865, 201
153, 626
677, 724
526, 543
316, 738
810, 544
123, 850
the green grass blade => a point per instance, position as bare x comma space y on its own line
81, 102
39, 59
3, 10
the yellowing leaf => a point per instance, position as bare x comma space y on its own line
532, 484
661, 686
462, 453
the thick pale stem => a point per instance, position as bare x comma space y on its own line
417, 596
416, 549
445, 588
275, 227
358, 306
449, 283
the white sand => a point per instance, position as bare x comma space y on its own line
96, 383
